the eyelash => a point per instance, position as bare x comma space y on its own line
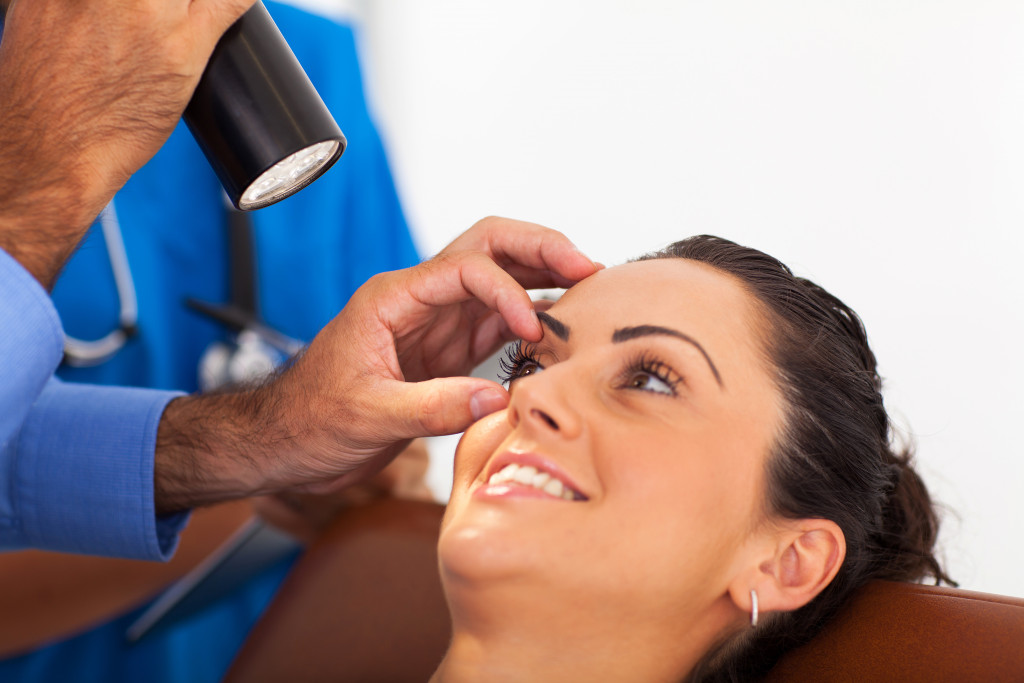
517, 358
646, 363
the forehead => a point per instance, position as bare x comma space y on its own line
698, 300
661, 291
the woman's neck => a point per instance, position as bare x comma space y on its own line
566, 650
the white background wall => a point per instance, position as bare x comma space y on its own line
876, 146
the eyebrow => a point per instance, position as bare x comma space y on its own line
627, 333
561, 330
556, 326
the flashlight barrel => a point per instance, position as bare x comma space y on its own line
255, 106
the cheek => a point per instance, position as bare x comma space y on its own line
686, 498
476, 446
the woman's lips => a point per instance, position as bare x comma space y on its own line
529, 476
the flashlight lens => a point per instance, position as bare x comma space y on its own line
288, 176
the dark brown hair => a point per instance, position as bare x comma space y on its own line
834, 460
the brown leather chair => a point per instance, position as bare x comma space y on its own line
365, 604
915, 634
46, 596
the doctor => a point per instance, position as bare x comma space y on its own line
104, 470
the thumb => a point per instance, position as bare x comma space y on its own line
442, 406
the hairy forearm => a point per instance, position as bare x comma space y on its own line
44, 200
222, 446
41, 230
88, 92
281, 434
51, 186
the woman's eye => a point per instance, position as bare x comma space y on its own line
648, 382
528, 368
517, 363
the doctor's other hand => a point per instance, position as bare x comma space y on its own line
390, 367
306, 515
91, 90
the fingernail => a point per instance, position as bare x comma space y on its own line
580, 252
487, 401
538, 329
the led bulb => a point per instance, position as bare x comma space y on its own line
288, 175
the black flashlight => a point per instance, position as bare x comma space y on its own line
260, 122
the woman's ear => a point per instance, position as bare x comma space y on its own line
802, 560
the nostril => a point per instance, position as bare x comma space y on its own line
545, 417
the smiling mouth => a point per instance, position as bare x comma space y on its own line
529, 476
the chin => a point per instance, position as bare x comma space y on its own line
475, 546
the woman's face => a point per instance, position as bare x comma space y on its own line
626, 475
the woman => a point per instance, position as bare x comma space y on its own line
693, 474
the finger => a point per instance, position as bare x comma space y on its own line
510, 241
531, 278
491, 333
543, 304
458, 278
439, 406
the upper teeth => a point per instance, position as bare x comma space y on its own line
528, 475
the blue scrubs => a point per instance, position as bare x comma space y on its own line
313, 250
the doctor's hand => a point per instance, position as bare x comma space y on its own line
306, 515
90, 91
390, 367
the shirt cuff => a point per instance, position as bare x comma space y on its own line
31, 343
83, 480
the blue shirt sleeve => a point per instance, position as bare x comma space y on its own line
31, 344
80, 474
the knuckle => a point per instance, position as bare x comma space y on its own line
458, 260
486, 222
378, 280
444, 258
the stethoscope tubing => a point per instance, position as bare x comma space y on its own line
86, 353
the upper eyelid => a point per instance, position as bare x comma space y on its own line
636, 358
643, 360
655, 366
627, 334
534, 350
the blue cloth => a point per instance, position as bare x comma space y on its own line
313, 250
31, 344
83, 473
76, 461
197, 650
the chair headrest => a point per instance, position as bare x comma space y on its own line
909, 633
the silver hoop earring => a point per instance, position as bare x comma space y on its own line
753, 608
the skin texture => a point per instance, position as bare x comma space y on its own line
389, 368
91, 90
637, 581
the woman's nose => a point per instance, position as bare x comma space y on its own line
540, 402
